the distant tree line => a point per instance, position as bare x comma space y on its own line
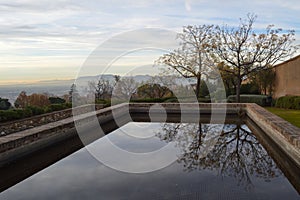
30, 105
125, 89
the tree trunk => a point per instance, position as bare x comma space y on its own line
265, 90
200, 134
238, 90
198, 85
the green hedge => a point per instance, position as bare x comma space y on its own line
106, 102
262, 100
35, 110
29, 111
148, 100
166, 100
154, 100
204, 100
56, 100
14, 114
57, 107
171, 100
288, 102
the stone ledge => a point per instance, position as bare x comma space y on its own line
284, 134
28, 123
26, 137
286, 129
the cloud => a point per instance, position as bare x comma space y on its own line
38, 6
188, 5
74, 28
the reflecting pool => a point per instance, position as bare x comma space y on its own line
212, 162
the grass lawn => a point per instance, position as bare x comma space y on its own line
292, 116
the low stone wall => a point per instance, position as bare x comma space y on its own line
16, 145
284, 134
28, 123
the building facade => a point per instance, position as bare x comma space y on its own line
287, 81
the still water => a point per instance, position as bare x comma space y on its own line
212, 162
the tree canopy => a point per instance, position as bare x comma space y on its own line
191, 59
244, 51
153, 91
24, 100
237, 51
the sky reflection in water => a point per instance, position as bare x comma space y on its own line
237, 167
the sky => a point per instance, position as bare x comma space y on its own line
52, 40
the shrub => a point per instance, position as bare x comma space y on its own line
56, 100
167, 100
171, 100
204, 100
218, 95
35, 110
68, 105
14, 114
155, 100
148, 100
288, 102
4, 104
249, 88
262, 100
107, 102
297, 103
25, 113
56, 107
102, 101
7, 115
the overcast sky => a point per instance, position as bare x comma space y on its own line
44, 39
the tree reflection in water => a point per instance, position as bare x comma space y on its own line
231, 150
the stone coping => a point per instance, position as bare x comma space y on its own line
38, 120
281, 132
289, 131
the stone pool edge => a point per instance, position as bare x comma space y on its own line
22, 143
283, 133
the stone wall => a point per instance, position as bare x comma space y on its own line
287, 81
16, 145
27, 123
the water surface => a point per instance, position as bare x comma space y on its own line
213, 162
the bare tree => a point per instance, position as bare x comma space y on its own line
237, 152
124, 88
191, 60
246, 52
22, 100
101, 89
